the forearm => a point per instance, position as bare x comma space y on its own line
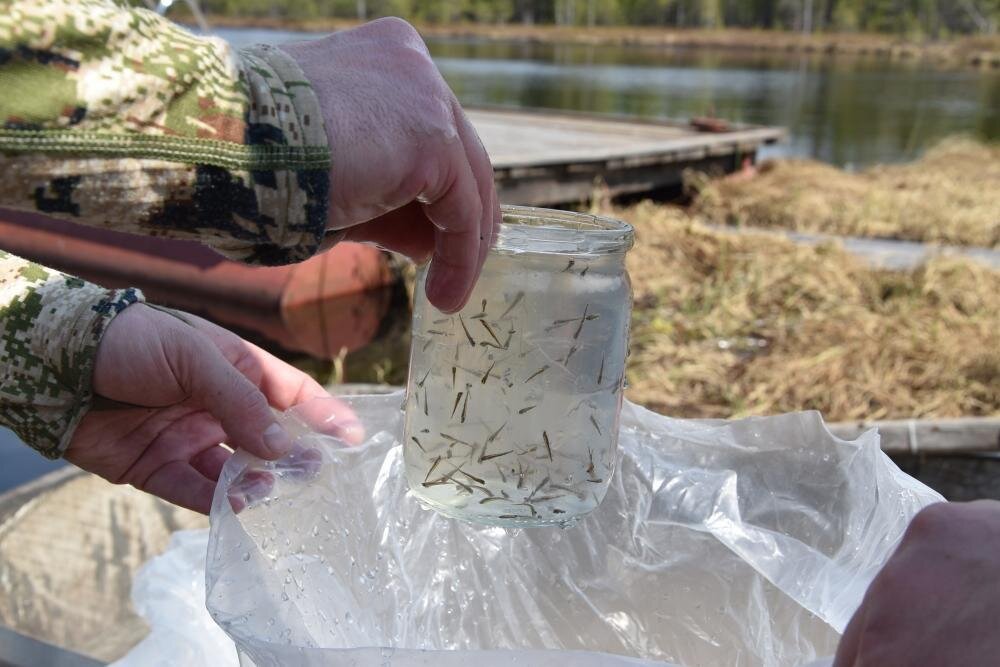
115, 117
50, 326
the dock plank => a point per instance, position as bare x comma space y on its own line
546, 158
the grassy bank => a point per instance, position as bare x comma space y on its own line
729, 325
978, 51
951, 195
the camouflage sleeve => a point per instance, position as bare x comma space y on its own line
115, 117
50, 325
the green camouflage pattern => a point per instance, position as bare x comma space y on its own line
115, 117
50, 325
112, 116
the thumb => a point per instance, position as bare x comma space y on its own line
216, 385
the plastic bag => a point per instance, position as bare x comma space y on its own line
739, 543
169, 593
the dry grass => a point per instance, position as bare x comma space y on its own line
729, 325
951, 195
738, 324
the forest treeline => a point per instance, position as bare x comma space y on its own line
927, 18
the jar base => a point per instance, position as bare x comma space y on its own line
492, 520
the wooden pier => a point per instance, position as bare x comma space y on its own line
547, 158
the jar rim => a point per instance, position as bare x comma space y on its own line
526, 229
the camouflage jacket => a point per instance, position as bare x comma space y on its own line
114, 117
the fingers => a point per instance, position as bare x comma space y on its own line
407, 230
210, 461
248, 488
458, 220
456, 208
285, 387
180, 484
847, 649
331, 417
482, 171
281, 385
213, 383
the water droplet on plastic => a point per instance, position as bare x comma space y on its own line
246, 556
284, 596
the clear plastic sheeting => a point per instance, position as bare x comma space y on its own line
169, 593
719, 543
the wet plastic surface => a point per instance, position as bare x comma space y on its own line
737, 543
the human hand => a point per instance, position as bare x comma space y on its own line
409, 171
183, 385
937, 599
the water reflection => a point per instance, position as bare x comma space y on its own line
846, 111
850, 111
313, 337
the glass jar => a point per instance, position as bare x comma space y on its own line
513, 402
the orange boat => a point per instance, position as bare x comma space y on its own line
334, 301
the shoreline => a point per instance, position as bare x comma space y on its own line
976, 52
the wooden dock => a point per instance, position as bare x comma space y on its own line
547, 158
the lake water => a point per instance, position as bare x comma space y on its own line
849, 111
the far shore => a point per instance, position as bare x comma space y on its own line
974, 51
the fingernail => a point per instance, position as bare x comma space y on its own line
441, 290
249, 488
302, 464
352, 431
277, 440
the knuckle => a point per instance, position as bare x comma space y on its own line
248, 397
120, 478
884, 586
929, 521
394, 27
873, 651
185, 349
133, 476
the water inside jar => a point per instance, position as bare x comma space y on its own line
514, 401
